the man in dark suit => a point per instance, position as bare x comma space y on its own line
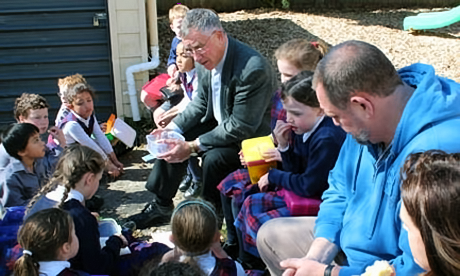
235, 86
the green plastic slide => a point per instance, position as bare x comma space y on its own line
432, 20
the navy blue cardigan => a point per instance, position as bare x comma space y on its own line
90, 257
306, 165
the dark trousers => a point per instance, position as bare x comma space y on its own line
217, 163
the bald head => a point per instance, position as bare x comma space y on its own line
355, 66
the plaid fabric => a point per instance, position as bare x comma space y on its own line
278, 112
238, 184
256, 210
10, 250
235, 185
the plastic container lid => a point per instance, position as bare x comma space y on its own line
156, 148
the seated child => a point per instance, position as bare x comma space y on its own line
80, 125
306, 162
33, 109
189, 83
196, 236
27, 173
430, 206
176, 15
292, 57
79, 172
48, 240
65, 85
166, 112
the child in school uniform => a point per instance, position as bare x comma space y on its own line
168, 111
33, 109
78, 173
195, 234
48, 240
306, 161
66, 84
293, 57
176, 15
27, 172
81, 124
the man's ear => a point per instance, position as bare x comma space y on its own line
362, 105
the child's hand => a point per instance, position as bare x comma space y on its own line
123, 239
172, 70
103, 127
242, 158
263, 183
115, 161
112, 169
282, 133
271, 155
58, 135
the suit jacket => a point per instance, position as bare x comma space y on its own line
247, 85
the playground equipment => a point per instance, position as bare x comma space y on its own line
432, 20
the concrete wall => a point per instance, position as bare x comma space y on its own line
128, 34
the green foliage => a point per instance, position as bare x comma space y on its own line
285, 4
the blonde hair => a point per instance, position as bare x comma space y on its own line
76, 161
178, 11
69, 82
28, 102
301, 53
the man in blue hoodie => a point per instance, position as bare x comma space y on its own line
388, 115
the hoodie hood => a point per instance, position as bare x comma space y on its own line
433, 95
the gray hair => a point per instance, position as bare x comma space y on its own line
202, 20
354, 66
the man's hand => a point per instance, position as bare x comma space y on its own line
263, 183
282, 132
58, 135
179, 151
302, 267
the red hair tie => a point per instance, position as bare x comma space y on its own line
315, 44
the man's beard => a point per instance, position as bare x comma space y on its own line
362, 137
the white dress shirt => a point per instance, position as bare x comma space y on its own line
74, 133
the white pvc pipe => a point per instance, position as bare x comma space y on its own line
155, 61
132, 83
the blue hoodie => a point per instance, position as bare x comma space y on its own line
360, 211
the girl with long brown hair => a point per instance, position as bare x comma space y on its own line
430, 210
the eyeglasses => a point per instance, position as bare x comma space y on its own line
199, 50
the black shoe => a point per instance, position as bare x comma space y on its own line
153, 214
194, 190
94, 204
186, 182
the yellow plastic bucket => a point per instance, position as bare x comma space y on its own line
252, 151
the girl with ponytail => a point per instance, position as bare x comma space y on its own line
49, 240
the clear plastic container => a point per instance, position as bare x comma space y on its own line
156, 148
